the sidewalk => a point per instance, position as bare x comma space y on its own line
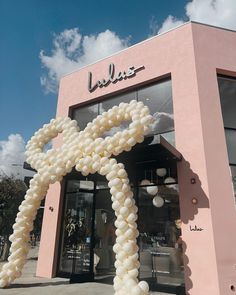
29, 284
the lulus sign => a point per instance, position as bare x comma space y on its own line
113, 77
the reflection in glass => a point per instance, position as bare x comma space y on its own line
231, 144
84, 115
160, 241
77, 226
104, 232
233, 175
227, 88
158, 98
115, 101
170, 137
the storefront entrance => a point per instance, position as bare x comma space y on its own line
76, 255
160, 241
88, 231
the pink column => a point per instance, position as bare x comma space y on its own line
199, 249
209, 259
50, 233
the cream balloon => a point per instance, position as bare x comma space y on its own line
152, 190
145, 182
144, 286
161, 172
158, 201
89, 153
170, 180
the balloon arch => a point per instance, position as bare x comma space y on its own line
89, 153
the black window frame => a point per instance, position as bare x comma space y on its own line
226, 128
128, 90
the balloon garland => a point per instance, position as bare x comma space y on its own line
89, 153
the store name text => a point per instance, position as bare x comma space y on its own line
113, 77
195, 228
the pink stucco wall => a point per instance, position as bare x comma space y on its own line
191, 54
215, 49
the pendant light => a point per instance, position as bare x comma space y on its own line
158, 201
161, 172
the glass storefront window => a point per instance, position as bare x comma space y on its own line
227, 90
158, 97
77, 228
170, 137
159, 100
116, 100
233, 175
231, 144
160, 241
88, 229
104, 232
84, 115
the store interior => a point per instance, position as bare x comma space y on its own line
89, 232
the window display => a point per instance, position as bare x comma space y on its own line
159, 225
75, 252
227, 89
158, 98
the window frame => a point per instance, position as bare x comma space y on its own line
128, 90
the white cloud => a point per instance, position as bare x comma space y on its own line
12, 156
221, 13
162, 122
72, 51
169, 23
153, 26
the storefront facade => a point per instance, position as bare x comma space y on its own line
186, 78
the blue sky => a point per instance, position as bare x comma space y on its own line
27, 27
44, 39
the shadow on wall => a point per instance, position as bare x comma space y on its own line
187, 270
192, 198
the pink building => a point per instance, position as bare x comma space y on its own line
187, 77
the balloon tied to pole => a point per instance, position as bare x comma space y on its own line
89, 153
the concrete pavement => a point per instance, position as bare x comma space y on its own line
29, 284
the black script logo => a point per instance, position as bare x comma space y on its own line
195, 228
113, 77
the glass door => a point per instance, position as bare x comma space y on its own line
76, 255
160, 239
104, 234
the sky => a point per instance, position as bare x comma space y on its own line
42, 40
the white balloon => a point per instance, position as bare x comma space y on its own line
158, 201
170, 180
89, 153
161, 172
152, 190
117, 248
128, 263
133, 273
144, 286
128, 247
120, 271
119, 195
121, 255
145, 182
128, 202
136, 290
124, 211
131, 283
132, 217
